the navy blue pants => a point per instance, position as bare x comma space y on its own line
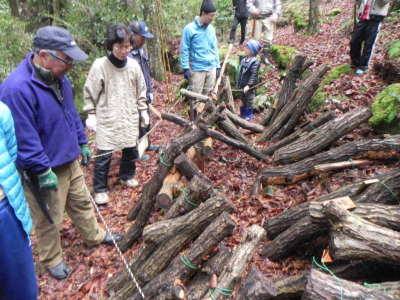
17, 273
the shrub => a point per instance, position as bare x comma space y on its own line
386, 106
282, 55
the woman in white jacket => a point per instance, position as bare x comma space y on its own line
115, 89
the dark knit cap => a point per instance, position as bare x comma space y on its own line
208, 7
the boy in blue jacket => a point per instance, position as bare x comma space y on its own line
248, 77
17, 273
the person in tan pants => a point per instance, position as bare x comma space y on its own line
51, 140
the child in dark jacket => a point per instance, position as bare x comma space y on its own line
248, 77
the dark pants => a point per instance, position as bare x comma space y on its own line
236, 21
127, 167
17, 273
362, 42
248, 99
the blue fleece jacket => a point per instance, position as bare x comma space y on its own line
199, 47
48, 128
9, 178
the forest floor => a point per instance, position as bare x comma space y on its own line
92, 267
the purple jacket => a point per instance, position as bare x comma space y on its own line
49, 130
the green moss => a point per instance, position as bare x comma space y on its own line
386, 107
394, 50
261, 90
282, 55
334, 12
320, 96
262, 101
299, 23
232, 69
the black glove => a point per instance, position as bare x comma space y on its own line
187, 74
218, 72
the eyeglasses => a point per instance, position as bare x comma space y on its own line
68, 61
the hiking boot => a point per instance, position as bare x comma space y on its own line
144, 157
359, 72
108, 239
130, 182
249, 114
60, 271
101, 198
153, 148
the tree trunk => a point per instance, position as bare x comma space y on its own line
298, 66
299, 132
326, 287
233, 271
198, 191
288, 117
199, 285
320, 138
381, 148
228, 91
259, 287
253, 127
355, 238
14, 7
155, 46
313, 19
163, 285
230, 129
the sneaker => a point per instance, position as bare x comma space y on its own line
60, 271
130, 182
101, 198
153, 148
359, 72
143, 158
108, 239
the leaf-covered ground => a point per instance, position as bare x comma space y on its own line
232, 171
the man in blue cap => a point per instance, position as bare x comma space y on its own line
140, 33
51, 140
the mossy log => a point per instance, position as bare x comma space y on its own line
165, 239
323, 286
320, 138
199, 285
352, 237
289, 115
198, 191
258, 287
299, 132
253, 127
297, 67
163, 285
233, 271
371, 149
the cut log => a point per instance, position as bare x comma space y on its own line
304, 230
163, 230
389, 71
184, 266
259, 287
326, 287
199, 285
151, 188
280, 223
253, 127
168, 242
228, 90
288, 117
234, 143
299, 132
296, 69
355, 238
198, 191
267, 116
187, 168
175, 119
166, 195
231, 130
233, 271
320, 138
341, 165
300, 170
194, 95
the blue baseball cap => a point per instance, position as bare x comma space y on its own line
139, 27
58, 38
254, 46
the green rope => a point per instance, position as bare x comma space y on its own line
223, 292
375, 285
163, 160
185, 193
325, 268
353, 165
390, 190
187, 263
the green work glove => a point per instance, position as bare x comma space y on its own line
86, 154
48, 180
